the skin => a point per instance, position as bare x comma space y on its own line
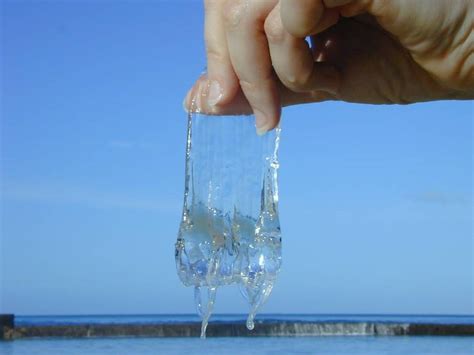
363, 51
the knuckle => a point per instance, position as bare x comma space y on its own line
248, 86
297, 82
274, 29
214, 54
300, 29
303, 17
253, 92
251, 84
233, 11
253, 89
306, 27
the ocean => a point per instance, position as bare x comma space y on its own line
307, 345
226, 318
345, 344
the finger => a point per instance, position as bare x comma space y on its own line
239, 105
222, 82
293, 60
303, 18
354, 8
299, 17
250, 58
196, 101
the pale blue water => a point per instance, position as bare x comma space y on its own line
311, 345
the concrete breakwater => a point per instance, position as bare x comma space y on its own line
232, 329
7, 323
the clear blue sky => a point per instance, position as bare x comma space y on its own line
376, 201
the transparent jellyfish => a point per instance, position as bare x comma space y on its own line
230, 229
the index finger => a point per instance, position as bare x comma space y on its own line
250, 58
302, 18
222, 82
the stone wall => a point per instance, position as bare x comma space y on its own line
238, 330
7, 323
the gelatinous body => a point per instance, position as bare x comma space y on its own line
230, 229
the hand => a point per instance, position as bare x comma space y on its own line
366, 51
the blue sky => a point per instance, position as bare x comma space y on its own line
375, 201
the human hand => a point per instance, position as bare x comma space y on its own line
366, 51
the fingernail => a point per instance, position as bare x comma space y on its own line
261, 123
214, 93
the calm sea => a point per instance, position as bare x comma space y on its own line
221, 318
285, 345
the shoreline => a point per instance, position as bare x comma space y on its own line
10, 330
275, 329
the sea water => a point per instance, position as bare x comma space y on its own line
427, 345
132, 319
230, 229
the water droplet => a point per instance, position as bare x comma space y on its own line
250, 322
